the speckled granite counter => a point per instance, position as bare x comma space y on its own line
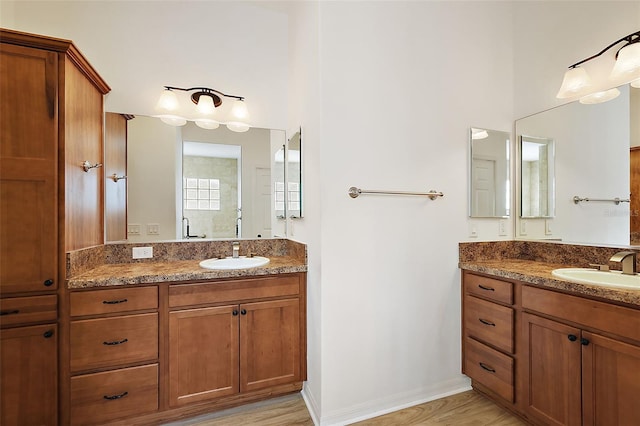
111, 264
539, 274
532, 262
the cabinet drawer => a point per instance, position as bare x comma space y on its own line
491, 288
226, 291
97, 302
100, 397
113, 341
489, 322
614, 319
21, 310
489, 367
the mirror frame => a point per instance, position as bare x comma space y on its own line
289, 165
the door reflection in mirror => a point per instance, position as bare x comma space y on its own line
490, 184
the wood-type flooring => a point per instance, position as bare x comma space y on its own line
464, 409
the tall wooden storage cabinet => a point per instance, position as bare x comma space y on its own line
51, 121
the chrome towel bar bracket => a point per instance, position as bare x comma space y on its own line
432, 194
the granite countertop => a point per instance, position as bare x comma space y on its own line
539, 274
119, 274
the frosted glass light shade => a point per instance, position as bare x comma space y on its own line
172, 120
599, 97
628, 62
205, 123
239, 111
576, 81
167, 103
205, 105
237, 126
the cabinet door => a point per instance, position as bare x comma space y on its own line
28, 169
203, 354
610, 381
29, 375
551, 355
269, 344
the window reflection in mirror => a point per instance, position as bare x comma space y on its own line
489, 186
294, 175
537, 177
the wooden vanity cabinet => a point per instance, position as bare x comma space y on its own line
114, 354
488, 333
574, 360
581, 360
51, 106
241, 336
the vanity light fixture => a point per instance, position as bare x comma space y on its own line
206, 102
578, 83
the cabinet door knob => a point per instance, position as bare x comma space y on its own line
243, 312
47, 334
482, 287
235, 313
584, 341
572, 337
48, 283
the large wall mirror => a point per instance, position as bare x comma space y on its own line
489, 186
188, 182
592, 146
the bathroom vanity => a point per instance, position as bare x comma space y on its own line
168, 339
552, 351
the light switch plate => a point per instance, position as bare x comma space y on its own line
547, 227
133, 229
153, 229
523, 227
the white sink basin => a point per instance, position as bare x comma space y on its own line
241, 262
595, 277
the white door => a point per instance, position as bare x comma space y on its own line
483, 187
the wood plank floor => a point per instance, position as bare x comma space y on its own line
463, 409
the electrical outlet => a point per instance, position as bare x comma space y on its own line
133, 229
502, 227
153, 229
473, 231
142, 252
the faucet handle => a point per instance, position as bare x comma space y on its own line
599, 267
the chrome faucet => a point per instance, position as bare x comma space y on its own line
628, 261
236, 249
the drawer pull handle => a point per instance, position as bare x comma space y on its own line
15, 311
114, 302
486, 322
112, 397
48, 283
486, 288
47, 334
117, 342
486, 367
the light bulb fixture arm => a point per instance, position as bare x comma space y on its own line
204, 90
630, 39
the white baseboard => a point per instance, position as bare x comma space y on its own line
385, 405
312, 405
